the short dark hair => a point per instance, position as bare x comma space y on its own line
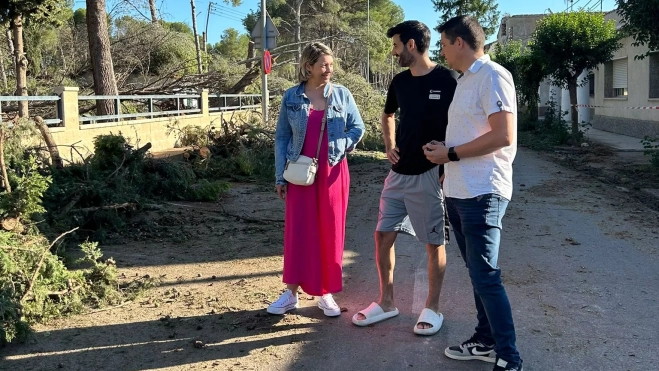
415, 30
465, 27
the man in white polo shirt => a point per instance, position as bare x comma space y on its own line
479, 151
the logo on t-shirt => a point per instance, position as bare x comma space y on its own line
435, 94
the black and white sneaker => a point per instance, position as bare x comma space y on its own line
502, 365
472, 349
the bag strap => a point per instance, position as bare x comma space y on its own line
322, 127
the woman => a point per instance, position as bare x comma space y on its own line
316, 214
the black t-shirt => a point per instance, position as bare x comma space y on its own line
423, 102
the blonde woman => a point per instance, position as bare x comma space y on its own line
314, 231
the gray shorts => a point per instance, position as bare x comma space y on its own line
414, 205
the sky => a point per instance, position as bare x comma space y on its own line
225, 16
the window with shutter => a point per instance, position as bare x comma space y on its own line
619, 77
654, 75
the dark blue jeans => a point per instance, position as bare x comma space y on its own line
477, 226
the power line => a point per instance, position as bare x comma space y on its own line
586, 6
572, 3
227, 16
594, 6
228, 9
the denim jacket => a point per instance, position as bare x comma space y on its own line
344, 126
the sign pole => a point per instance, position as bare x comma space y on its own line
264, 77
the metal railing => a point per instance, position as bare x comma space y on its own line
49, 98
147, 106
148, 101
228, 102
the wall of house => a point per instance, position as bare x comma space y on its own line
618, 114
518, 27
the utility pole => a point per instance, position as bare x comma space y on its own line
264, 77
368, 34
196, 36
210, 7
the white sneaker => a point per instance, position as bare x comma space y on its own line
329, 306
287, 301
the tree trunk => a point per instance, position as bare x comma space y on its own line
572, 87
21, 64
250, 54
100, 55
61, 52
533, 104
245, 81
152, 8
2, 70
3, 167
50, 142
298, 26
196, 38
533, 110
10, 46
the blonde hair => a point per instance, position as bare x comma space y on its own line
310, 56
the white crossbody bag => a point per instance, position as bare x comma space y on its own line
303, 171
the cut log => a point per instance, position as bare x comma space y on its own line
50, 142
12, 224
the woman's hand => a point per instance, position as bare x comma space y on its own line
281, 191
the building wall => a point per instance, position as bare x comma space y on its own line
616, 115
518, 27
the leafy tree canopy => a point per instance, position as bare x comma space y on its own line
573, 42
640, 21
486, 11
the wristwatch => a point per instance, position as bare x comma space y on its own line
452, 155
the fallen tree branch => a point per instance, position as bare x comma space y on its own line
64, 292
141, 151
123, 160
70, 205
275, 53
43, 257
5, 179
107, 207
16, 248
50, 142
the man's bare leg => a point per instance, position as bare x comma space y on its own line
436, 270
385, 258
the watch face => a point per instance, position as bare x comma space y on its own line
452, 155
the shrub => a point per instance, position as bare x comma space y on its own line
651, 146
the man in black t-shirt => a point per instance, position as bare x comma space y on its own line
412, 200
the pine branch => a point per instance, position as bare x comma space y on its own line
43, 257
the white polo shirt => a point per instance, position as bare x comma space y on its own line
485, 88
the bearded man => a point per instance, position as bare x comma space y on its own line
412, 201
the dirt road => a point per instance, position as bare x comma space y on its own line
580, 263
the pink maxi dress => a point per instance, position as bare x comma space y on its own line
314, 231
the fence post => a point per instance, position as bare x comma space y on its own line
203, 103
69, 107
